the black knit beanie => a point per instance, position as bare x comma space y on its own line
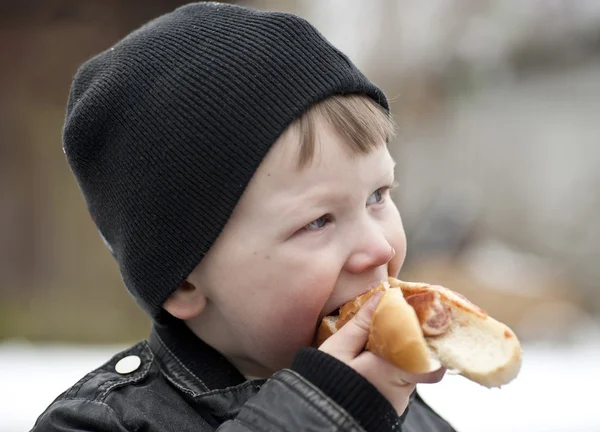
165, 129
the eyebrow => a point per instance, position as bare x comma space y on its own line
311, 201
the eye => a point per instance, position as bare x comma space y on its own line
319, 223
381, 194
378, 196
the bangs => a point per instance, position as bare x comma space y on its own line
362, 124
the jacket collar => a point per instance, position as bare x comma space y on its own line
202, 374
184, 354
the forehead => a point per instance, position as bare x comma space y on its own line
333, 163
360, 123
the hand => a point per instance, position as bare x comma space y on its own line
347, 345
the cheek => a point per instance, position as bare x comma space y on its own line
297, 317
305, 296
290, 323
283, 293
397, 238
299, 307
268, 299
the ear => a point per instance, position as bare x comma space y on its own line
186, 302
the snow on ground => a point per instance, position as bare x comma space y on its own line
556, 390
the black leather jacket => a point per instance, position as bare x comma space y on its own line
182, 385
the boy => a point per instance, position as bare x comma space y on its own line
236, 166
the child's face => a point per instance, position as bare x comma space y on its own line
301, 242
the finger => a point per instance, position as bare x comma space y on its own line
377, 369
367, 361
350, 340
426, 378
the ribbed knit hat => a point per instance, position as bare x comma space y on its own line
165, 129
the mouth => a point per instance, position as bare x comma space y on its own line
336, 310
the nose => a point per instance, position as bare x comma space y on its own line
371, 250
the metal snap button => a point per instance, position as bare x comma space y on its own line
128, 364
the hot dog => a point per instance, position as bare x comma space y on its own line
421, 327
434, 315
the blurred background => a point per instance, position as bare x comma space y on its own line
498, 103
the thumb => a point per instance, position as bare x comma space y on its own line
349, 341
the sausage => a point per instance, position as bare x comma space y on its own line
434, 316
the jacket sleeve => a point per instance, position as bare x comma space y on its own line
423, 418
79, 415
319, 393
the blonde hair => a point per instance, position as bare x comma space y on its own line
361, 123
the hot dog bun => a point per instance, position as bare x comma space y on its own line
474, 345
